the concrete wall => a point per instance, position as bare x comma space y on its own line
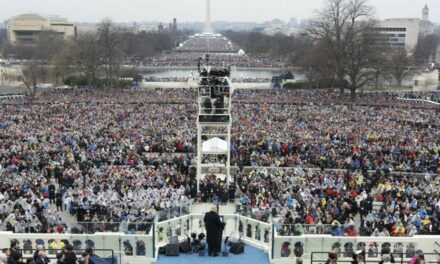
115, 241
325, 243
255, 233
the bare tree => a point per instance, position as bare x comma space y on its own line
110, 45
49, 44
398, 64
345, 27
30, 73
3, 40
316, 65
40, 54
62, 63
363, 56
87, 57
426, 48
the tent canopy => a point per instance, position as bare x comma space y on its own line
215, 145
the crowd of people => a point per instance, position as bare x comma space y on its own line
336, 137
186, 79
189, 59
128, 198
64, 255
250, 80
117, 158
166, 79
410, 205
98, 149
208, 43
331, 97
341, 202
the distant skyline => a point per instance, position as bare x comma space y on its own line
194, 10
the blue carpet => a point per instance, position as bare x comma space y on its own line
251, 255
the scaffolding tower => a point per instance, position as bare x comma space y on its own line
214, 124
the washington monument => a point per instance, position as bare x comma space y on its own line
208, 26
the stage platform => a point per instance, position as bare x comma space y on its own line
251, 255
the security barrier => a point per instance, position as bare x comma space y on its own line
140, 247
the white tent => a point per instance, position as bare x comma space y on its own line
214, 145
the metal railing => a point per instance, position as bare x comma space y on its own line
418, 100
170, 213
107, 254
247, 211
373, 257
307, 229
143, 228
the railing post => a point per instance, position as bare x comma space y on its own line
273, 241
120, 250
154, 240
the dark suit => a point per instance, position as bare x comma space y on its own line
15, 255
214, 228
11, 260
70, 257
36, 255
41, 260
51, 193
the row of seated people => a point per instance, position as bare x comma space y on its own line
341, 202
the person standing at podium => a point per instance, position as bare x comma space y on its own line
214, 229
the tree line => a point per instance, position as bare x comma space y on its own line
91, 58
346, 49
342, 48
274, 47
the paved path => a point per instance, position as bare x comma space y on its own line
65, 216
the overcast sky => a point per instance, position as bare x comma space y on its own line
194, 10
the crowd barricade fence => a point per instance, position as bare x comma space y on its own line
282, 248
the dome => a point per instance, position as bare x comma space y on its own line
241, 52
